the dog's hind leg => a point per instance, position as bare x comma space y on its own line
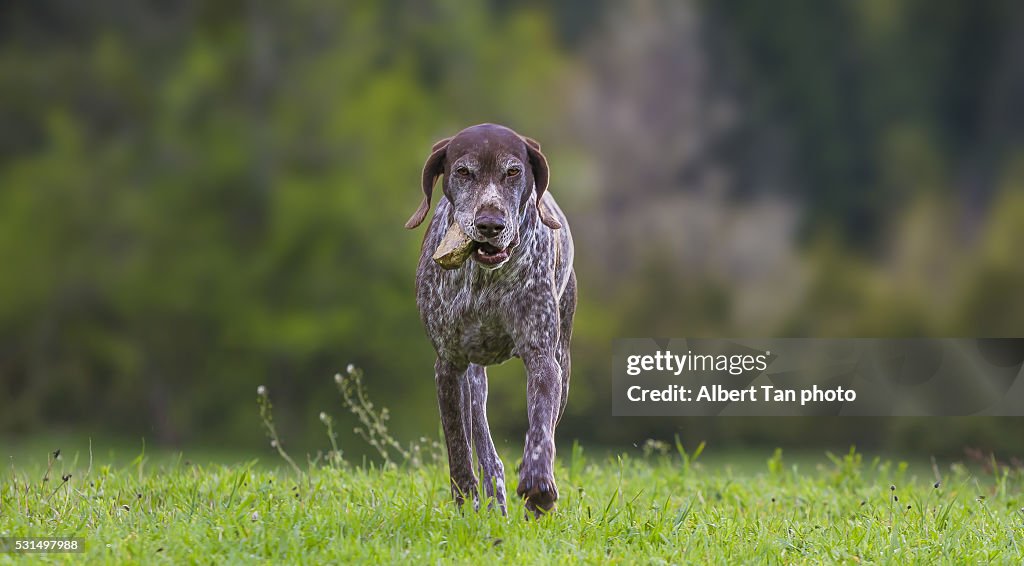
566, 309
450, 393
492, 471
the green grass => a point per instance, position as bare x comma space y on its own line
658, 504
664, 508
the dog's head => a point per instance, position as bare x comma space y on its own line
490, 173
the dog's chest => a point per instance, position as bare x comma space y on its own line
467, 314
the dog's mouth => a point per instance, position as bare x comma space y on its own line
487, 254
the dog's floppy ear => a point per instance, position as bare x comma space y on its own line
539, 164
432, 169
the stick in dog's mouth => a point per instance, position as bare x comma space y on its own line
456, 247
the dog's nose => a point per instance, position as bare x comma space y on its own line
489, 225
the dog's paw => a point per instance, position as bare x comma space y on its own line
539, 491
467, 490
494, 489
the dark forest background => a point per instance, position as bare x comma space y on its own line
197, 198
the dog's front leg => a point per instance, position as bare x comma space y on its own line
543, 394
448, 378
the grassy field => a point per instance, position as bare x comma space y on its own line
662, 508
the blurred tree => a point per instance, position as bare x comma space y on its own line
847, 74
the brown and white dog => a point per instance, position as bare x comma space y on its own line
515, 298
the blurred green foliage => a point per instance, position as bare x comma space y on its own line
198, 198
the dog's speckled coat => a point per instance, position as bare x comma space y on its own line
478, 315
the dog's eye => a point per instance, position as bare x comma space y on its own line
512, 171
464, 171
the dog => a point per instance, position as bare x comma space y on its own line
514, 297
